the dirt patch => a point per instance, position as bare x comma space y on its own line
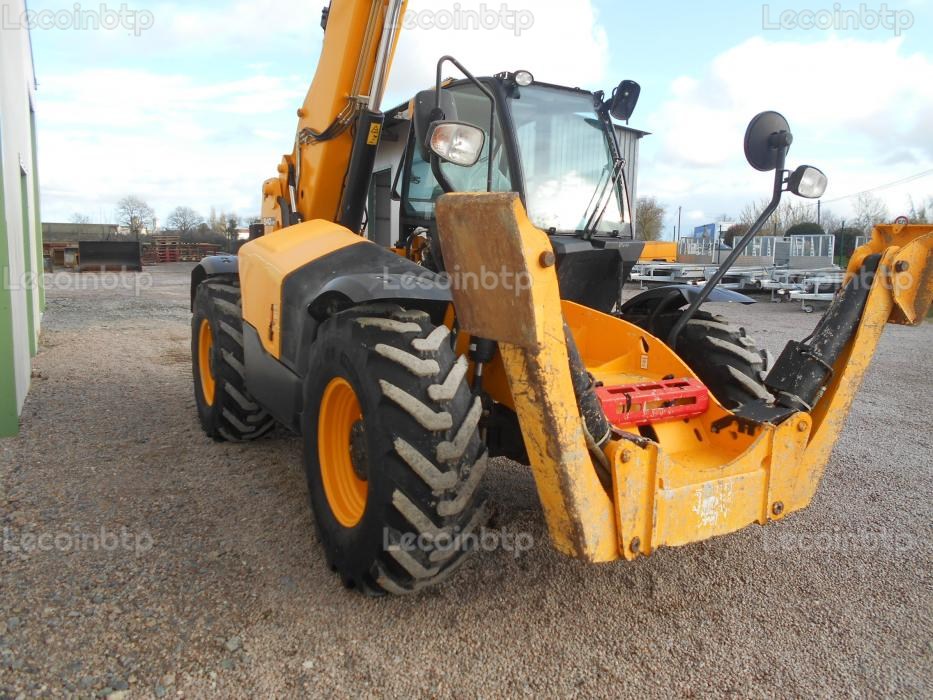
216, 585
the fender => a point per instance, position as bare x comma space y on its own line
349, 276
211, 267
676, 296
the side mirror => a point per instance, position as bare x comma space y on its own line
807, 181
767, 133
457, 142
624, 99
424, 116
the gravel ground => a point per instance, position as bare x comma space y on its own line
206, 577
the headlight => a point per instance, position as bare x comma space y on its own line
524, 78
457, 143
807, 181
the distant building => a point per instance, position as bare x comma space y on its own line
22, 296
70, 233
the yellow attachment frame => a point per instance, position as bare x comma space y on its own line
703, 476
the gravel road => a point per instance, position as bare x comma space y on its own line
141, 559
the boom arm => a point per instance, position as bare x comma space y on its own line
327, 173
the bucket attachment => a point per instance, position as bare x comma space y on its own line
109, 256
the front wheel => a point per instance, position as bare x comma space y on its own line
725, 358
225, 407
392, 450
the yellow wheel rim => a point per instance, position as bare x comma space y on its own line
345, 491
205, 363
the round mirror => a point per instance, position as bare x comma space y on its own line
760, 151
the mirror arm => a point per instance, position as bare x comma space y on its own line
492, 112
779, 178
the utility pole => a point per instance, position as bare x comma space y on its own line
841, 243
678, 222
819, 212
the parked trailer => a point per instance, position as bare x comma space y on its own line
819, 286
667, 273
767, 263
818, 289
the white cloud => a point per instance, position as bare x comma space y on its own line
860, 110
565, 43
236, 25
182, 136
173, 140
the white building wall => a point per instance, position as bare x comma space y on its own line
21, 295
389, 156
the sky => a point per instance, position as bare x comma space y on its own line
192, 104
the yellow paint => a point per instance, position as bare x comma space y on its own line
267, 260
346, 493
674, 496
659, 251
577, 508
374, 131
704, 476
344, 72
912, 281
205, 363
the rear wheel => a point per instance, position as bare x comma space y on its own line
725, 358
225, 407
392, 450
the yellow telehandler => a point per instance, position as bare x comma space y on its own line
492, 326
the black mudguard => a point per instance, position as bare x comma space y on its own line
676, 296
592, 272
357, 274
211, 267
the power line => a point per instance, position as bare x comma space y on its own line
903, 181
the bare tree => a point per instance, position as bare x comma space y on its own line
184, 220
79, 218
922, 213
734, 232
136, 215
649, 218
869, 210
231, 231
829, 221
789, 213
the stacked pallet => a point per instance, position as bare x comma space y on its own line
149, 256
196, 252
167, 249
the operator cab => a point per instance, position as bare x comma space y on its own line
557, 147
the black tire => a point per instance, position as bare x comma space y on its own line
231, 414
724, 357
422, 455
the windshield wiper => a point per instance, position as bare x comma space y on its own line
601, 201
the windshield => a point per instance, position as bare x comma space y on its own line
570, 179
